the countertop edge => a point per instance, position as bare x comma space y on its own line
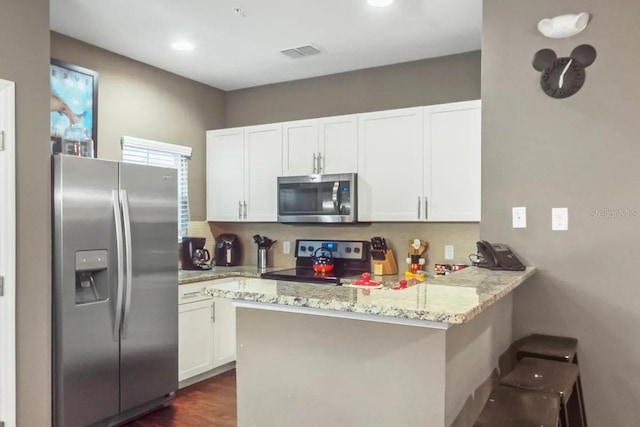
393, 312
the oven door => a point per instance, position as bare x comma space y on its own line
317, 199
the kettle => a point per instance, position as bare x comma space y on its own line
322, 260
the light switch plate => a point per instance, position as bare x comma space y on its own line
559, 219
519, 217
286, 247
448, 252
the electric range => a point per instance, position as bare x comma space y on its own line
350, 260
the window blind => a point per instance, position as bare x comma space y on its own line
161, 154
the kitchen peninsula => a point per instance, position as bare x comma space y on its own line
318, 355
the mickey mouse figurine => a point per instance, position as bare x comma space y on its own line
562, 77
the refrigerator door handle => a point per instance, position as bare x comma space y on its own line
117, 214
128, 261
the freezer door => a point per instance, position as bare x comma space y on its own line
86, 351
149, 342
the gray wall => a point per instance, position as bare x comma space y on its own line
135, 99
582, 153
431, 81
24, 58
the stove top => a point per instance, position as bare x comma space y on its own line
350, 257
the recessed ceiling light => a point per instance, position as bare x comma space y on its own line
182, 45
379, 3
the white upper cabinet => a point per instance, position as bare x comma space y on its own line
263, 165
390, 165
326, 145
225, 174
453, 151
242, 169
413, 164
300, 147
338, 144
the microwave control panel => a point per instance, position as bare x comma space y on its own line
344, 249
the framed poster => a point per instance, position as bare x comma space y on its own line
74, 109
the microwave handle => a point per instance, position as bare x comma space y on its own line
336, 186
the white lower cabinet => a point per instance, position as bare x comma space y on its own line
224, 332
195, 337
206, 332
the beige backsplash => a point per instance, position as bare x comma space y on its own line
462, 235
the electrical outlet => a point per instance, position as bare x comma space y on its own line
448, 251
519, 217
560, 219
286, 247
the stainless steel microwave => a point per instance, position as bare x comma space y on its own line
330, 198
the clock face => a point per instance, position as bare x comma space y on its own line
563, 78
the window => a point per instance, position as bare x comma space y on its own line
153, 153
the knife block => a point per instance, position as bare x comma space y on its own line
387, 265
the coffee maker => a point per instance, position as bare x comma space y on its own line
194, 255
228, 251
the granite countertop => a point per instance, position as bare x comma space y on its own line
191, 276
453, 299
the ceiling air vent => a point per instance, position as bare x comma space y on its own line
300, 52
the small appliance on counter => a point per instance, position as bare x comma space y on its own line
348, 258
382, 257
194, 255
228, 250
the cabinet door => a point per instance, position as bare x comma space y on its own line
338, 144
225, 174
299, 147
224, 347
390, 165
453, 142
263, 165
195, 338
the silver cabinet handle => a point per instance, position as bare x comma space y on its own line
245, 209
213, 311
120, 256
128, 261
239, 209
419, 207
315, 163
426, 207
320, 168
191, 294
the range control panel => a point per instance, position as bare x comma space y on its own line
342, 249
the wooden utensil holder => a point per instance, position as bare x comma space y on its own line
386, 266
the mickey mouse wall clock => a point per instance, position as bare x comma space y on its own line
562, 77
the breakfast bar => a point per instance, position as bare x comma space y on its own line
318, 355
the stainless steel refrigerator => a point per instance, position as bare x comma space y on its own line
115, 277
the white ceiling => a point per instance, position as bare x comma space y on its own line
234, 51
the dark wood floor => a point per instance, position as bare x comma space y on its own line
209, 403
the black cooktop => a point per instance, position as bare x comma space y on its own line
351, 259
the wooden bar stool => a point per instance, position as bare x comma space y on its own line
564, 349
549, 376
515, 407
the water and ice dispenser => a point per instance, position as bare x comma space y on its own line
91, 276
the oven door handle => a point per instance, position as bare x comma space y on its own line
336, 186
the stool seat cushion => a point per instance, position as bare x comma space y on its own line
513, 407
543, 375
549, 347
